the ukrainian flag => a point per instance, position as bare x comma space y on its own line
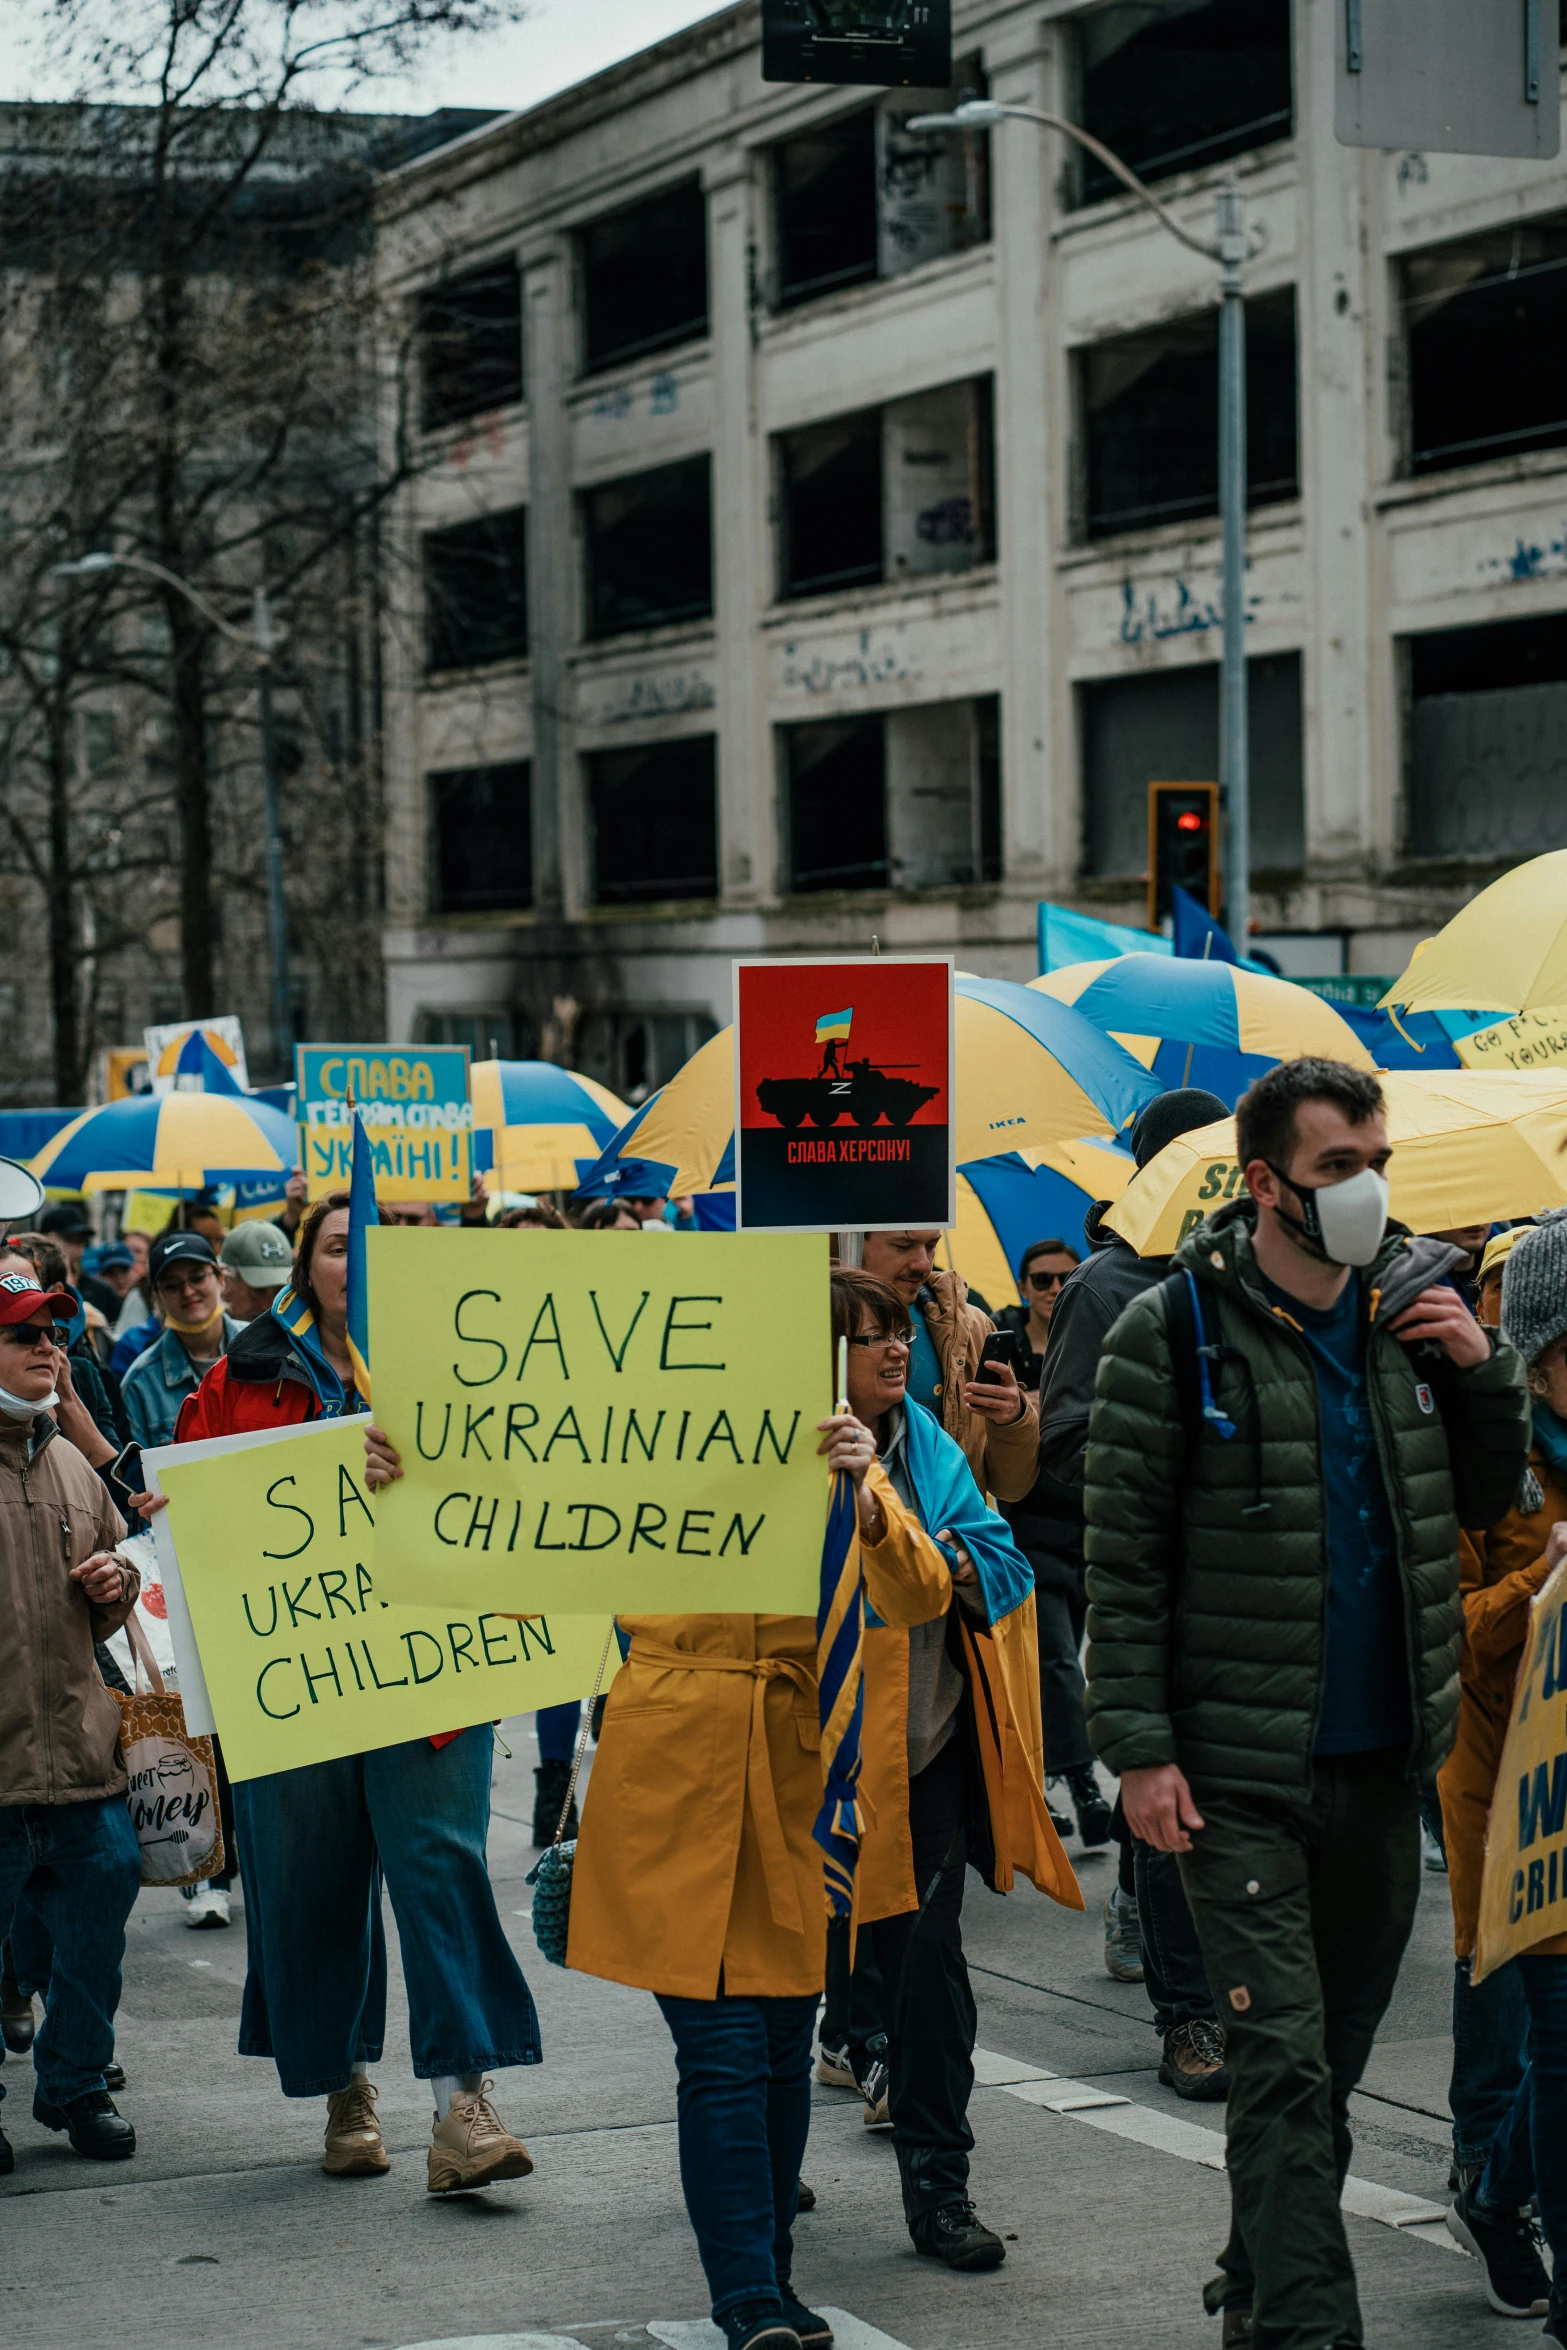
840, 1675
834, 1024
362, 1213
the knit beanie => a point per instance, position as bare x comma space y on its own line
1170, 1115
1534, 1287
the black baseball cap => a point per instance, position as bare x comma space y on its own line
178, 1248
69, 1216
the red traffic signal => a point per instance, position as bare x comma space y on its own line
1183, 846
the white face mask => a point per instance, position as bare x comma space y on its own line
16, 1407
1343, 1222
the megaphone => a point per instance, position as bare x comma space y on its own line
21, 1193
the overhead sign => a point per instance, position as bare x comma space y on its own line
588, 1420
302, 1657
1448, 77
878, 42
222, 1032
1523, 1893
843, 1095
415, 1107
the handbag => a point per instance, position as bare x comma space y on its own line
550, 1875
172, 1791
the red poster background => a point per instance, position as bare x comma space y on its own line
900, 1015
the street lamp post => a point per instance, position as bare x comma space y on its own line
1229, 250
261, 642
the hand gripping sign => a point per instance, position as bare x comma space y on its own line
594, 1420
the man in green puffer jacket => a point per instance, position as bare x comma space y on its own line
1274, 1631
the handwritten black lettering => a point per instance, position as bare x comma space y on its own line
538, 1337
617, 1355
349, 1496
294, 1601
513, 1431
334, 1587
648, 1443
329, 1672
769, 1433
408, 1639
425, 1453
476, 1338
462, 1650
271, 1711
566, 1431
250, 1619
657, 1520
450, 1540
472, 1427
721, 1433
674, 1329
490, 1641
737, 1533
295, 1511
539, 1542
588, 1511
688, 1525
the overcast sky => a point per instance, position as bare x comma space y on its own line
562, 42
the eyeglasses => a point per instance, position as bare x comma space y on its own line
1044, 1280
28, 1334
879, 1339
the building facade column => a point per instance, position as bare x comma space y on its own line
747, 823
552, 615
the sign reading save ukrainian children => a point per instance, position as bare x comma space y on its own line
413, 1099
1523, 1892
843, 1095
601, 1420
304, 1657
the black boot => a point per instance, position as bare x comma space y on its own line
18, 2018
1093, 1813
955, 2233
550, 1782
94, 2123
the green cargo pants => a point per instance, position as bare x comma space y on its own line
1303, 1907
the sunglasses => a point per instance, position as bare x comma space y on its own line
1044, 1280
29, 1333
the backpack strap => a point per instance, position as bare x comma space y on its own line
1192, 1358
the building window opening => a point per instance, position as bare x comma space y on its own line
1150, 419
1175, 85
836, 773
943, 795
1164, 728
481, 859
1485, 323
470, 345
655, 821
824, 206
644, 277
888, 493
634, 1053
650, 549
490, 1034
830, 476
476, 591
1488, 740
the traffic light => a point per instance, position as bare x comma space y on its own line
889, 42
1183, 845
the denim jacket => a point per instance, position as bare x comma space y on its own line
158, 1382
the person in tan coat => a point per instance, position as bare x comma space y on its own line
65, 1832
696, 1874
1503, 1571
993, 1419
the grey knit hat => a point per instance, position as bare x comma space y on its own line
1534, 1287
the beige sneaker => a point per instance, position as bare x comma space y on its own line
354, 2147
471, 2149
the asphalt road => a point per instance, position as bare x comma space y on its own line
224, 2230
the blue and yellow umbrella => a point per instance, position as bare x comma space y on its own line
1207, 1024
545, 1127
1030, 1073
1008, 1202
177, 1141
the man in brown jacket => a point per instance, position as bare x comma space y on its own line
993, 1419
64, 1828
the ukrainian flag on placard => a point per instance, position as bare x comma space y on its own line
834, 1024
362, 1213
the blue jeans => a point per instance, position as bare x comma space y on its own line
1530, 2154
314, 1844
1490, 2051
81, 1865
745, 2112
557, 1727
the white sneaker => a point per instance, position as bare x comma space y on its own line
1431, 1852
205, 1905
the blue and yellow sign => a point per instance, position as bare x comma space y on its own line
413, 1099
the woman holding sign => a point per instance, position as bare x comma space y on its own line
1503, 1569
315, 1843
697, 1876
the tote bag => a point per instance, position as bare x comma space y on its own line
172, 1793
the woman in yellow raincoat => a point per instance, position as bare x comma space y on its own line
696, 1874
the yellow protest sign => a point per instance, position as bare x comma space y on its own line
1523, 1894
1530, 1040
602, 1419
304, 1658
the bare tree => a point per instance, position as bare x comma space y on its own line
191, 329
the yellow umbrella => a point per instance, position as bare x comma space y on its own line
1506, 951
1468, 1146
547, 1125
187, 1140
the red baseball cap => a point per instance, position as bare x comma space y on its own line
21, 1299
